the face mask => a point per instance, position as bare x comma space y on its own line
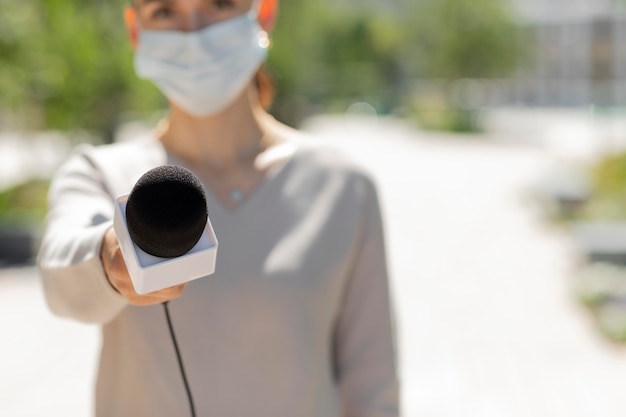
204, 71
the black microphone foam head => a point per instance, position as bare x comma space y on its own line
166, 212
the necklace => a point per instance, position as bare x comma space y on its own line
236, 195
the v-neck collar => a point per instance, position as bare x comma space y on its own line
272, 176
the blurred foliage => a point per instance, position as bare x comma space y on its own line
601, 287
460, 40
323, 62
66, 64
457, 39
24, 205
606, 200
609, 176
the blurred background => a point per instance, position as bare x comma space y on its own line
495, 129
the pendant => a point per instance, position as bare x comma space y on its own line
236, 195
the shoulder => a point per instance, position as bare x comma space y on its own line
316, 153
122, 153
322, 171
323, 158
117, 166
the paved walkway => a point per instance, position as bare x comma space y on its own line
487, 325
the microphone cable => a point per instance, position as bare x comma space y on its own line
180, 359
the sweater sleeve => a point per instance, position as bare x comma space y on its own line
80, 212
365, 352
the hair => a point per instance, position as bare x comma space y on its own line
265, 87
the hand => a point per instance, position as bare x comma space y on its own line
117, 274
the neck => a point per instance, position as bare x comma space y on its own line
217, 143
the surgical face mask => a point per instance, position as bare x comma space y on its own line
203, 72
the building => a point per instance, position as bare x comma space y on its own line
578, 54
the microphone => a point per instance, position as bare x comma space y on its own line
166, 211
164, 231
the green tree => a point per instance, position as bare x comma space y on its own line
326, 56
450, 40
455, 39
66, 64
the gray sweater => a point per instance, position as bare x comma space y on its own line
295, 322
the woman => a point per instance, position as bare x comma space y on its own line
295, 321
